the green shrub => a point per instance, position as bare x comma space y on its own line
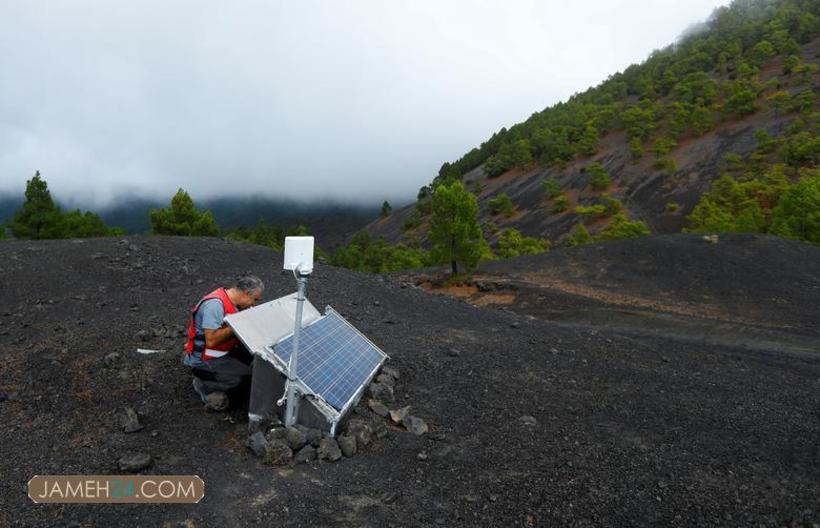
262, 234
80, 224
636, 148
639, 122
600, 179
501, 204
733, 160
587, 144
744, 206
802, 148
672, 207
790, 63
510, 155
762, 52
269, 235
778, 101
579, 237
492, 227
560, 204
797, 214
612, 205
679, 119
666, 165
742, 98
621, 227
511, 243
551, 187
363, 253
591, 211
663, 162
701, 119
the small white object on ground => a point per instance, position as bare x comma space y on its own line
148, 351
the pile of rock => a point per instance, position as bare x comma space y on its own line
381, 393
295, 445
299, 444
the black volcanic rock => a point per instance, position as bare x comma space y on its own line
729, 430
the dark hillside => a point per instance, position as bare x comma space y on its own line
533, 423
763, 280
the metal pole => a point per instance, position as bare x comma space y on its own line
292, 408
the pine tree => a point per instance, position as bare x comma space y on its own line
454, 229
797, 215
182, 218
39, 217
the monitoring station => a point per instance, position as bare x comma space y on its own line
325, 362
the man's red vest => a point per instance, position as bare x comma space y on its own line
218, 350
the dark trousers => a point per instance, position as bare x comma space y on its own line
234, 371
223, 373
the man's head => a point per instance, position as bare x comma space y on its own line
246, 291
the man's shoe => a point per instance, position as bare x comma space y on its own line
217, 401
257, 444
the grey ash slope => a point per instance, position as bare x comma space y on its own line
629, 431
760, 282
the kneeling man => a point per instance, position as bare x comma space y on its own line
218, 360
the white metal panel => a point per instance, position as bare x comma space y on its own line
268, 323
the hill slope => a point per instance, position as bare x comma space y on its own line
751, 291
629, 431
737, 97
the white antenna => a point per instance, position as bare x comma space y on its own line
299, 259
299, 254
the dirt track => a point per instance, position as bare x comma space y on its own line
631, 430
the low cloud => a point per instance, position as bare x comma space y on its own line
355, 101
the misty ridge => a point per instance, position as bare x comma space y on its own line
327, 219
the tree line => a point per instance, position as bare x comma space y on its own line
41, 218
454, 229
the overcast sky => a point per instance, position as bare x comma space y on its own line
354, 100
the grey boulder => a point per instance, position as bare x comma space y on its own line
135, 462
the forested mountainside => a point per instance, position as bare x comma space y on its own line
710, 134
331, 222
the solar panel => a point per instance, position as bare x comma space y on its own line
335, 359
267, 323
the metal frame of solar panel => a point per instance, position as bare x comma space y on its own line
336, 363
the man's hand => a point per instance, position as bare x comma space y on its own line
217, 337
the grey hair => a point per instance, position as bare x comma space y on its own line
249, 283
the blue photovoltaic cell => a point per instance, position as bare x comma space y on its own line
334, 359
